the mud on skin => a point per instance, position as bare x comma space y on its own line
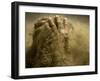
57, 43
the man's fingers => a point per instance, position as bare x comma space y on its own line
38, 24
47, 26
43, 18
52, 24
68, 26
59, 22
65, 21
56, 23
41, 22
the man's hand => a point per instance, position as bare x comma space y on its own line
50, 35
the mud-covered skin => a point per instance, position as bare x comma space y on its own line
50, 45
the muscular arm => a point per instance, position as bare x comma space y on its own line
49, 42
